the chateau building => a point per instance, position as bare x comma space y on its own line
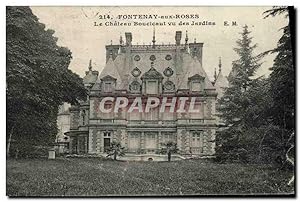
163, 72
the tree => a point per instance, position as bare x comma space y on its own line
259, 113
239, 98
282, 82
115, 150
38, 81
282, 77
169, 148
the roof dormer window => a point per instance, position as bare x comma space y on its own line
152, 81
196, 83
108, 84
151, 87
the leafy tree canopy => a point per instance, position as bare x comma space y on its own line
37, 77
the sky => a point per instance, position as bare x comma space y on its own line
74, 28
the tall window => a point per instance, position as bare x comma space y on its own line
152, 115
150, 141
197, 141
196, 86
107, 87
152, 87
168, 137
167, 114
134, 142
197, 115
196, 83
83, 115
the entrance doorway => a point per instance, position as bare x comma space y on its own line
106, 140
106, 144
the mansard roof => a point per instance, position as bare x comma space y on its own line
193, 67
124, 58
110, 72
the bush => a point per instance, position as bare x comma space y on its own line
29, 151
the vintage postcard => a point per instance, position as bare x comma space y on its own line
150, 101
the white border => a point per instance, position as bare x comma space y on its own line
112, 2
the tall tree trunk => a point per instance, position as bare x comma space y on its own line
115, 156
260, 146
9, 140
291, 161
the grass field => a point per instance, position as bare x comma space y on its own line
94, 177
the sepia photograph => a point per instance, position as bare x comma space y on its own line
150, 101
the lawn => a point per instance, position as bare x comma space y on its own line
95, 177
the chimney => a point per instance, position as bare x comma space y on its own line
178, 37
196, 50
128, 37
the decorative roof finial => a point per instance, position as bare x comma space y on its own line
186, 37
215, 75
110, 42
121, 40
152, 64
220, 64
194, 40
153, 40
90, 65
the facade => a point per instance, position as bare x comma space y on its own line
161, 71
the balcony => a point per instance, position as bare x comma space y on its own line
197, 150
196, 121
153, 122
106, 121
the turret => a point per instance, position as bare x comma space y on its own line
90, 76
